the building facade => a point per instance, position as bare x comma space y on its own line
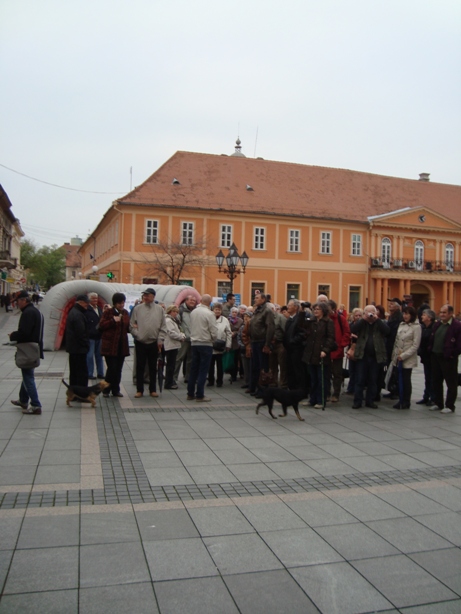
356, 237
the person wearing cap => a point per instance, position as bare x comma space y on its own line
393, 321
93, 315
148, 327
78, 341
30, 329
114, 326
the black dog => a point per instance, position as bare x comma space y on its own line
86, 394
285, 397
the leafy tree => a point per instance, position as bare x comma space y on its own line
45, 266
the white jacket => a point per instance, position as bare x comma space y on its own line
174, 336
224, 332
406, 344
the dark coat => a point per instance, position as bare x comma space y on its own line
379, 331
320, 337
423, 351
262, 324
93, 322
77, 338
452, 343
114, 335
235, 327
294, 336
29, 327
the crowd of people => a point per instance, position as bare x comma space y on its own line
313, 348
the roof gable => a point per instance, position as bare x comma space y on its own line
419, 217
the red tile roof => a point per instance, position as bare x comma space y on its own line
220, 183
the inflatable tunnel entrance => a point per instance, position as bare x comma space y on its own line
61, 298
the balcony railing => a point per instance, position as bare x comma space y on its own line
7, 261
426, 266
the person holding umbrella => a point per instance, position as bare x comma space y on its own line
405, 354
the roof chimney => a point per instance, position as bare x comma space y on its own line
424, 176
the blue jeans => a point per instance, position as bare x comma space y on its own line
201, 358
28, 389
95, 352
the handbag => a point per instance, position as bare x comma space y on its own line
228, 361
219, 345
266, 378
27, 355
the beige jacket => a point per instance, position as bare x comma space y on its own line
147, 323
406, 344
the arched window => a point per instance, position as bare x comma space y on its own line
419, 255
449, 256
386, 252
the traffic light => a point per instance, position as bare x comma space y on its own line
110, 275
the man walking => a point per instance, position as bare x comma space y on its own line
78, 341
93, 315
203, 331
30, 329
262, 327
445, 347
148, 327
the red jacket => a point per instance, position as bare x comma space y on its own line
342, 334
114, 338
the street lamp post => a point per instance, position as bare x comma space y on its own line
233, 259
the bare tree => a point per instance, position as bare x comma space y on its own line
171, 260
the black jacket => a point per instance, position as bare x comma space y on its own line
77, 337
29, 327
93, 322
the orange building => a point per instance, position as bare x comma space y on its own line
356, 237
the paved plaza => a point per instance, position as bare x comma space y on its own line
172, 506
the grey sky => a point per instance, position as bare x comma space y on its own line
92, 88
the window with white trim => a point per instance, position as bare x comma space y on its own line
325, 243
293, 240
449, 256
151, 231
259, 238
226, 235
187, 235
386, 251
419, 255
356, 246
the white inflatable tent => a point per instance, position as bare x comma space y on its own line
61, 298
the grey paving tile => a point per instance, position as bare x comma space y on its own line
446, 495
44, 569
195, 596
253, 472
20, 456
9, 532
5, 560
292, 470
273, 454
338, 589
447, 525
188, 445
403, 582
299, 547
309, 452
157, 525
49, 602
340, 450
60, 457
321, 512
289, 441
356, 541
176, 559
241, 554
445, 565
233, 457
268, 591
167, 476
136, 598
330, 466
112, 564
435, 459
214, 474
412, 503
18, 474
366, 507
158, 460
108, 528
225, 443
57, 474
156, 445
444, 607
197, 458
366, 464
437, 444
374, 448
222, 520
49, 531
271, 516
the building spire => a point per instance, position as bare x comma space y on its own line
238, 149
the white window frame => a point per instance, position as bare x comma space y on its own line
259, 237
187, 233
294, 240
450, 256
419, 255
325, 242
386, 251
356, 244
226, 236
151, 232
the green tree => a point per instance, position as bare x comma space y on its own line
45, 266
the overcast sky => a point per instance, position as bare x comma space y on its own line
91, 88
